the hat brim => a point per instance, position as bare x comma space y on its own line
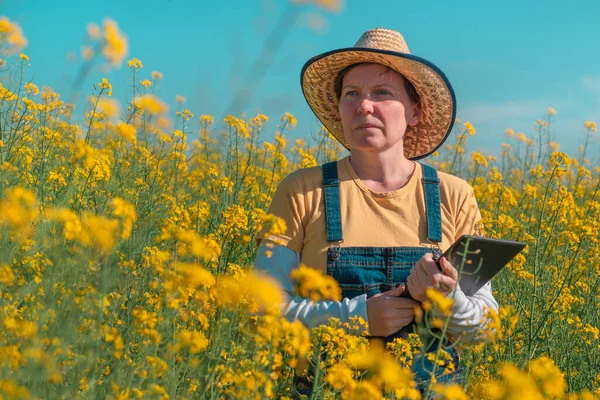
437, 98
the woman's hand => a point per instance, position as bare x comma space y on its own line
426, 274
388, 313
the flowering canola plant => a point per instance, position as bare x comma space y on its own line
127, 244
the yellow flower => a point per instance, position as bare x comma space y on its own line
10, 33
146, 83
24, 57
150, 104
158, 365
591, 126
19, 210
522, 138
115, 43
469, 128
551, 111
180, 99
14, 391
126, 131
157, 75
205, 248
100, 232
71, 223
21, 328
479, 159
238, 125
340, 377
108, 107
259, 120
31, 88
185, 114
260, 289
288, 119
329, 5
311, 283
548, 375
450, 392
193, 340
559, 163
442, 303
7, 276
206, 120
134, 63
126, 213
93, 31
530, 191
87, 53
195, 275
83, 385
104, 84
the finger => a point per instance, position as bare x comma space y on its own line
402, 313
448, 268
427, 256
397, 291
410, 282
400, 323
421, 264
415, 285
447, 283
421, 276
431, 268
401, 302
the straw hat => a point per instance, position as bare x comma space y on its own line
386, 47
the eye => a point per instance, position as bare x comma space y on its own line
351, 93
383, 92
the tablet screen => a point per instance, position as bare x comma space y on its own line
478, 259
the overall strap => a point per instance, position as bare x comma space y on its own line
331, 194
431, 184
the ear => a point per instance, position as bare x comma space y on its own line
416, 116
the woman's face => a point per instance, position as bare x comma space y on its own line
375, 108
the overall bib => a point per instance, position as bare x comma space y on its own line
373, 270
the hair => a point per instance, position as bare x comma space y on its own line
410, 89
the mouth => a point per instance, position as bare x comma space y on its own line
365, 126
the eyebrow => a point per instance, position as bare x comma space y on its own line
375, 87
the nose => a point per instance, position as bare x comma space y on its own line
365, 105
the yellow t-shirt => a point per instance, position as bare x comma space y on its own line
369, 218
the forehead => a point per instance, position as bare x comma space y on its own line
372, 74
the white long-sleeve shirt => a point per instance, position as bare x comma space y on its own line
466, 321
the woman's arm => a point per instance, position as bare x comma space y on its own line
467, 319
279, 265
468, 316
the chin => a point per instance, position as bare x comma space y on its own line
369, 146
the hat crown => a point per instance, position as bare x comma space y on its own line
383, 39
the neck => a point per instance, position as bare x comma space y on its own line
382, 171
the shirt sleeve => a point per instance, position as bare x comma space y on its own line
468, 317
279, 265
288, 204
468, 216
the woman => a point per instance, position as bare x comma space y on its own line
377, 221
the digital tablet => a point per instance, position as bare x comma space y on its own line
478, 259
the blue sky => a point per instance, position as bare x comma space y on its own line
508, 61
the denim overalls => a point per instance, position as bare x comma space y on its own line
372, 270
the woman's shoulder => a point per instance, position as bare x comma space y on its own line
307, 178
453, 184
